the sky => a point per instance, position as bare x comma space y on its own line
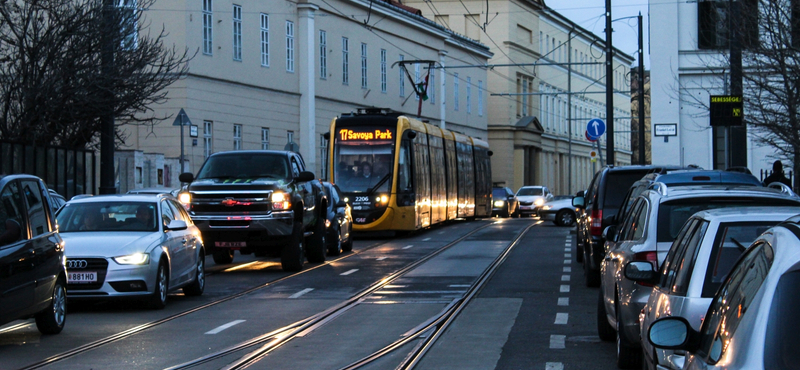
589, 14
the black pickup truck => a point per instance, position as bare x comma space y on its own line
260, 201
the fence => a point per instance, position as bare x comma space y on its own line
67, 171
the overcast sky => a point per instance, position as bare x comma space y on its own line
589, 14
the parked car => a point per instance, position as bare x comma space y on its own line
156, 190
707, 247
531, 197
646, 235
131, 246
597, 207
33, 280
504, 202
559, 210
56, 200
752, 321
338, 221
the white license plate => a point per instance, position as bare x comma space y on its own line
230, 244
525, 207
82, 277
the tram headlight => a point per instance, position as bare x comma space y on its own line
382, 199
499, 203
280, 201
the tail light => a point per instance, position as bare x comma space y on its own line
596, 227
651, 257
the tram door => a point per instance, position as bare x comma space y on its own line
422, 182
451, 163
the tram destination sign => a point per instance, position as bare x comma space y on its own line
347, 134
726, 110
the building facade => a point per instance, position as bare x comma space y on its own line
269, 72
539, 113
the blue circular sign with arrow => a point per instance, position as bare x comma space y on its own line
596, 128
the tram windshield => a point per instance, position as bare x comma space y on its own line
364, 159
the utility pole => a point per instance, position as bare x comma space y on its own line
107, 119
641, 93
609, 89
569, 111
737, 135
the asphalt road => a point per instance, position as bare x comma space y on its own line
533, 313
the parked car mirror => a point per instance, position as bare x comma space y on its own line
673, 332
641, 271
176, 225
610, 233
186, 177
305, 176
578, 201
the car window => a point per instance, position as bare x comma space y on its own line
640, 222
166, 213
11, 209
617, 185
176, 210
684, 264
627, 226
530, 191
726, 251
498, 194
732, 301
672, 262
37, 209
509, 193
783, 324
295, 168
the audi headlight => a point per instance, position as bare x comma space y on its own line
280, 200
499, 203
539, 201
133, 259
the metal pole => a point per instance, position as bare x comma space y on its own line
738, 134
569, 112
107, 119
641, 94
182, 171
609, 88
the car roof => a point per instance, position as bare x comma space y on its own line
639, 167
695, 191
235, 152
122, 198
755, 214
532, 186
688, 177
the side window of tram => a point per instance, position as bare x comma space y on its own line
404, 168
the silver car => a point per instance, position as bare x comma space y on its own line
131, 246
559, 210
752, 321
646, 235
699, 260
532, 197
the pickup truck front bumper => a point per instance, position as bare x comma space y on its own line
254, 230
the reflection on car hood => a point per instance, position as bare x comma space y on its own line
561, 203
262, 183
107, 243
529, 198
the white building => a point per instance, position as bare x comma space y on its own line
270, 72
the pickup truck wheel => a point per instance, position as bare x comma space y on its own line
316, 246
292, 255
223, 256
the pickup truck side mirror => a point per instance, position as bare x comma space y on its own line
305, 176
186, 177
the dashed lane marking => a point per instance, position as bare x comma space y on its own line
561, 318
557, 341
567, 262
223, 327
567, 249
564, 289
348, 272
300, 293
567, 269
564, 277
563, 301
426, 239
567, 255
554, 366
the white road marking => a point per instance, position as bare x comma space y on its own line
567, 262
564, 289
223, 327
395, 286
568, 244
426, 239
348, 272
557, 341
567, 249
561, 318
381, 258
15, 327
234, 268
567, 255
567, 269
298, 294
563, 301
554, 366
441, 232
564, 277
408, 246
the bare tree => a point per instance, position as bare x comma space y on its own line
52, 90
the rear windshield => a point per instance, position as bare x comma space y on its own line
672, 215
729, 243
617, 185
530, 191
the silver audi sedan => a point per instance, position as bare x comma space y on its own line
131, 246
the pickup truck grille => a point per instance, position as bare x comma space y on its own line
255, 202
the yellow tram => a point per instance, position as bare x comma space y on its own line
399, 173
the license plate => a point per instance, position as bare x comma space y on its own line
230, 244
82, 277
525, 207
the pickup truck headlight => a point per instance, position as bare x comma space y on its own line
280, 201
133, 259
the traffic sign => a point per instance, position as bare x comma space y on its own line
593, 154
592, 139
596, 128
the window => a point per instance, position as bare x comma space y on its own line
237, 32
264, 138
323, 55
524, 101
345, 61
455, 91
726, 252
130, 27
289, 136
207, 138
432, 86
712, 24
469, 95
237, 137
207, 27
383, 70
33, 195
323, 155
289, 46
363, 65
402, 79
265, 40
480, 98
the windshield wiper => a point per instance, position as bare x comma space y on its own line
382, 180
742, 248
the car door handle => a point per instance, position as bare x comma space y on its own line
184, 241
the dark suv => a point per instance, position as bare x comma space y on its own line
597, 207
33, 277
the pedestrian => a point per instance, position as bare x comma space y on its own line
777, 175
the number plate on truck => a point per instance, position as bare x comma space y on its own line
230, 244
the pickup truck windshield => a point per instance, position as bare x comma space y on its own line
245, 166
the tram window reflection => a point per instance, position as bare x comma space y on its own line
364, 167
